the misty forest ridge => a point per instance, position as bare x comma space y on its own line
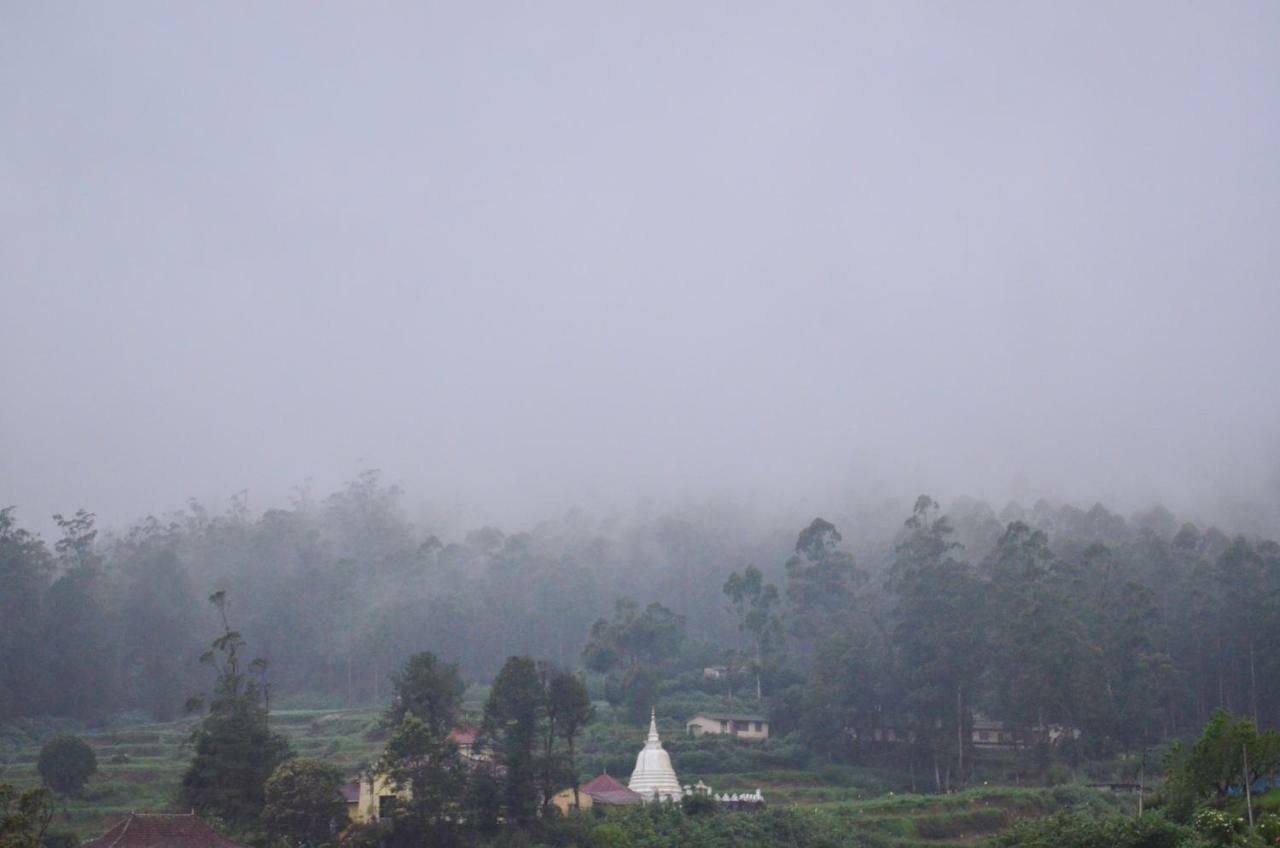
824, 425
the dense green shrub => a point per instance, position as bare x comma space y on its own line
962, 824
663, 826
1269, 829
66, 764
1216, 826
1073, 831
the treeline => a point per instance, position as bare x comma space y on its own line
1112, 639
1128, 630
338, 592
1109, 640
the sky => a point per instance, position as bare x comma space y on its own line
526, 256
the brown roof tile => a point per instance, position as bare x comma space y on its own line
605, 790
161, 830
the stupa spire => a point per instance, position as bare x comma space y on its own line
654, 778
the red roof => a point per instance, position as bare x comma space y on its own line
605, 790
159, 830
603, 783
463, 736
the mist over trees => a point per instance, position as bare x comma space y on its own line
1128, 629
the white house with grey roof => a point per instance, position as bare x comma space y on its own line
741, 725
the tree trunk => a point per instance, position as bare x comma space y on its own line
1248, 791
959, 736
1222, 699
1142, 780
547, 788
573, 765
1253, 684
760, 693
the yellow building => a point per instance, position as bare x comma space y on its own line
603, 791
563, 801
376, 795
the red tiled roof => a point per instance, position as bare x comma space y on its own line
605, 790
159, 830
463, 736
624, 798
603, 783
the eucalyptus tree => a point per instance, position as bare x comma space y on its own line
755, 604
235, 750
632, 649
939, 635
822, 581
25, 564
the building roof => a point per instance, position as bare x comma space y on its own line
161, 830
603, 783
605, 790
731, 717
463, 736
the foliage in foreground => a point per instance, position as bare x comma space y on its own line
303, 804
1074, 831
662, 826
1229, 753
1071, 831
24, 816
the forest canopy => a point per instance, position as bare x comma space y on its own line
1128, 628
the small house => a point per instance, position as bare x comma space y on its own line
998, 735
994, 735
161, 830
881, 735
603, 791
351, 796
741, 725
376, 797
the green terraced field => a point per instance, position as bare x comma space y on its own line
140, 768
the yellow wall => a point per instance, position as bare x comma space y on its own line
371, 792
564, 800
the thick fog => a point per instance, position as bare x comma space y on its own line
523, 257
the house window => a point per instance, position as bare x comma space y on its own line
759, 726
984, 736
386, 806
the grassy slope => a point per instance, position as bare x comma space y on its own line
150, 760
140, 767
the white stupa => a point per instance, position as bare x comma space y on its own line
654, 779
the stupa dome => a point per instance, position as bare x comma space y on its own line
654, 778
